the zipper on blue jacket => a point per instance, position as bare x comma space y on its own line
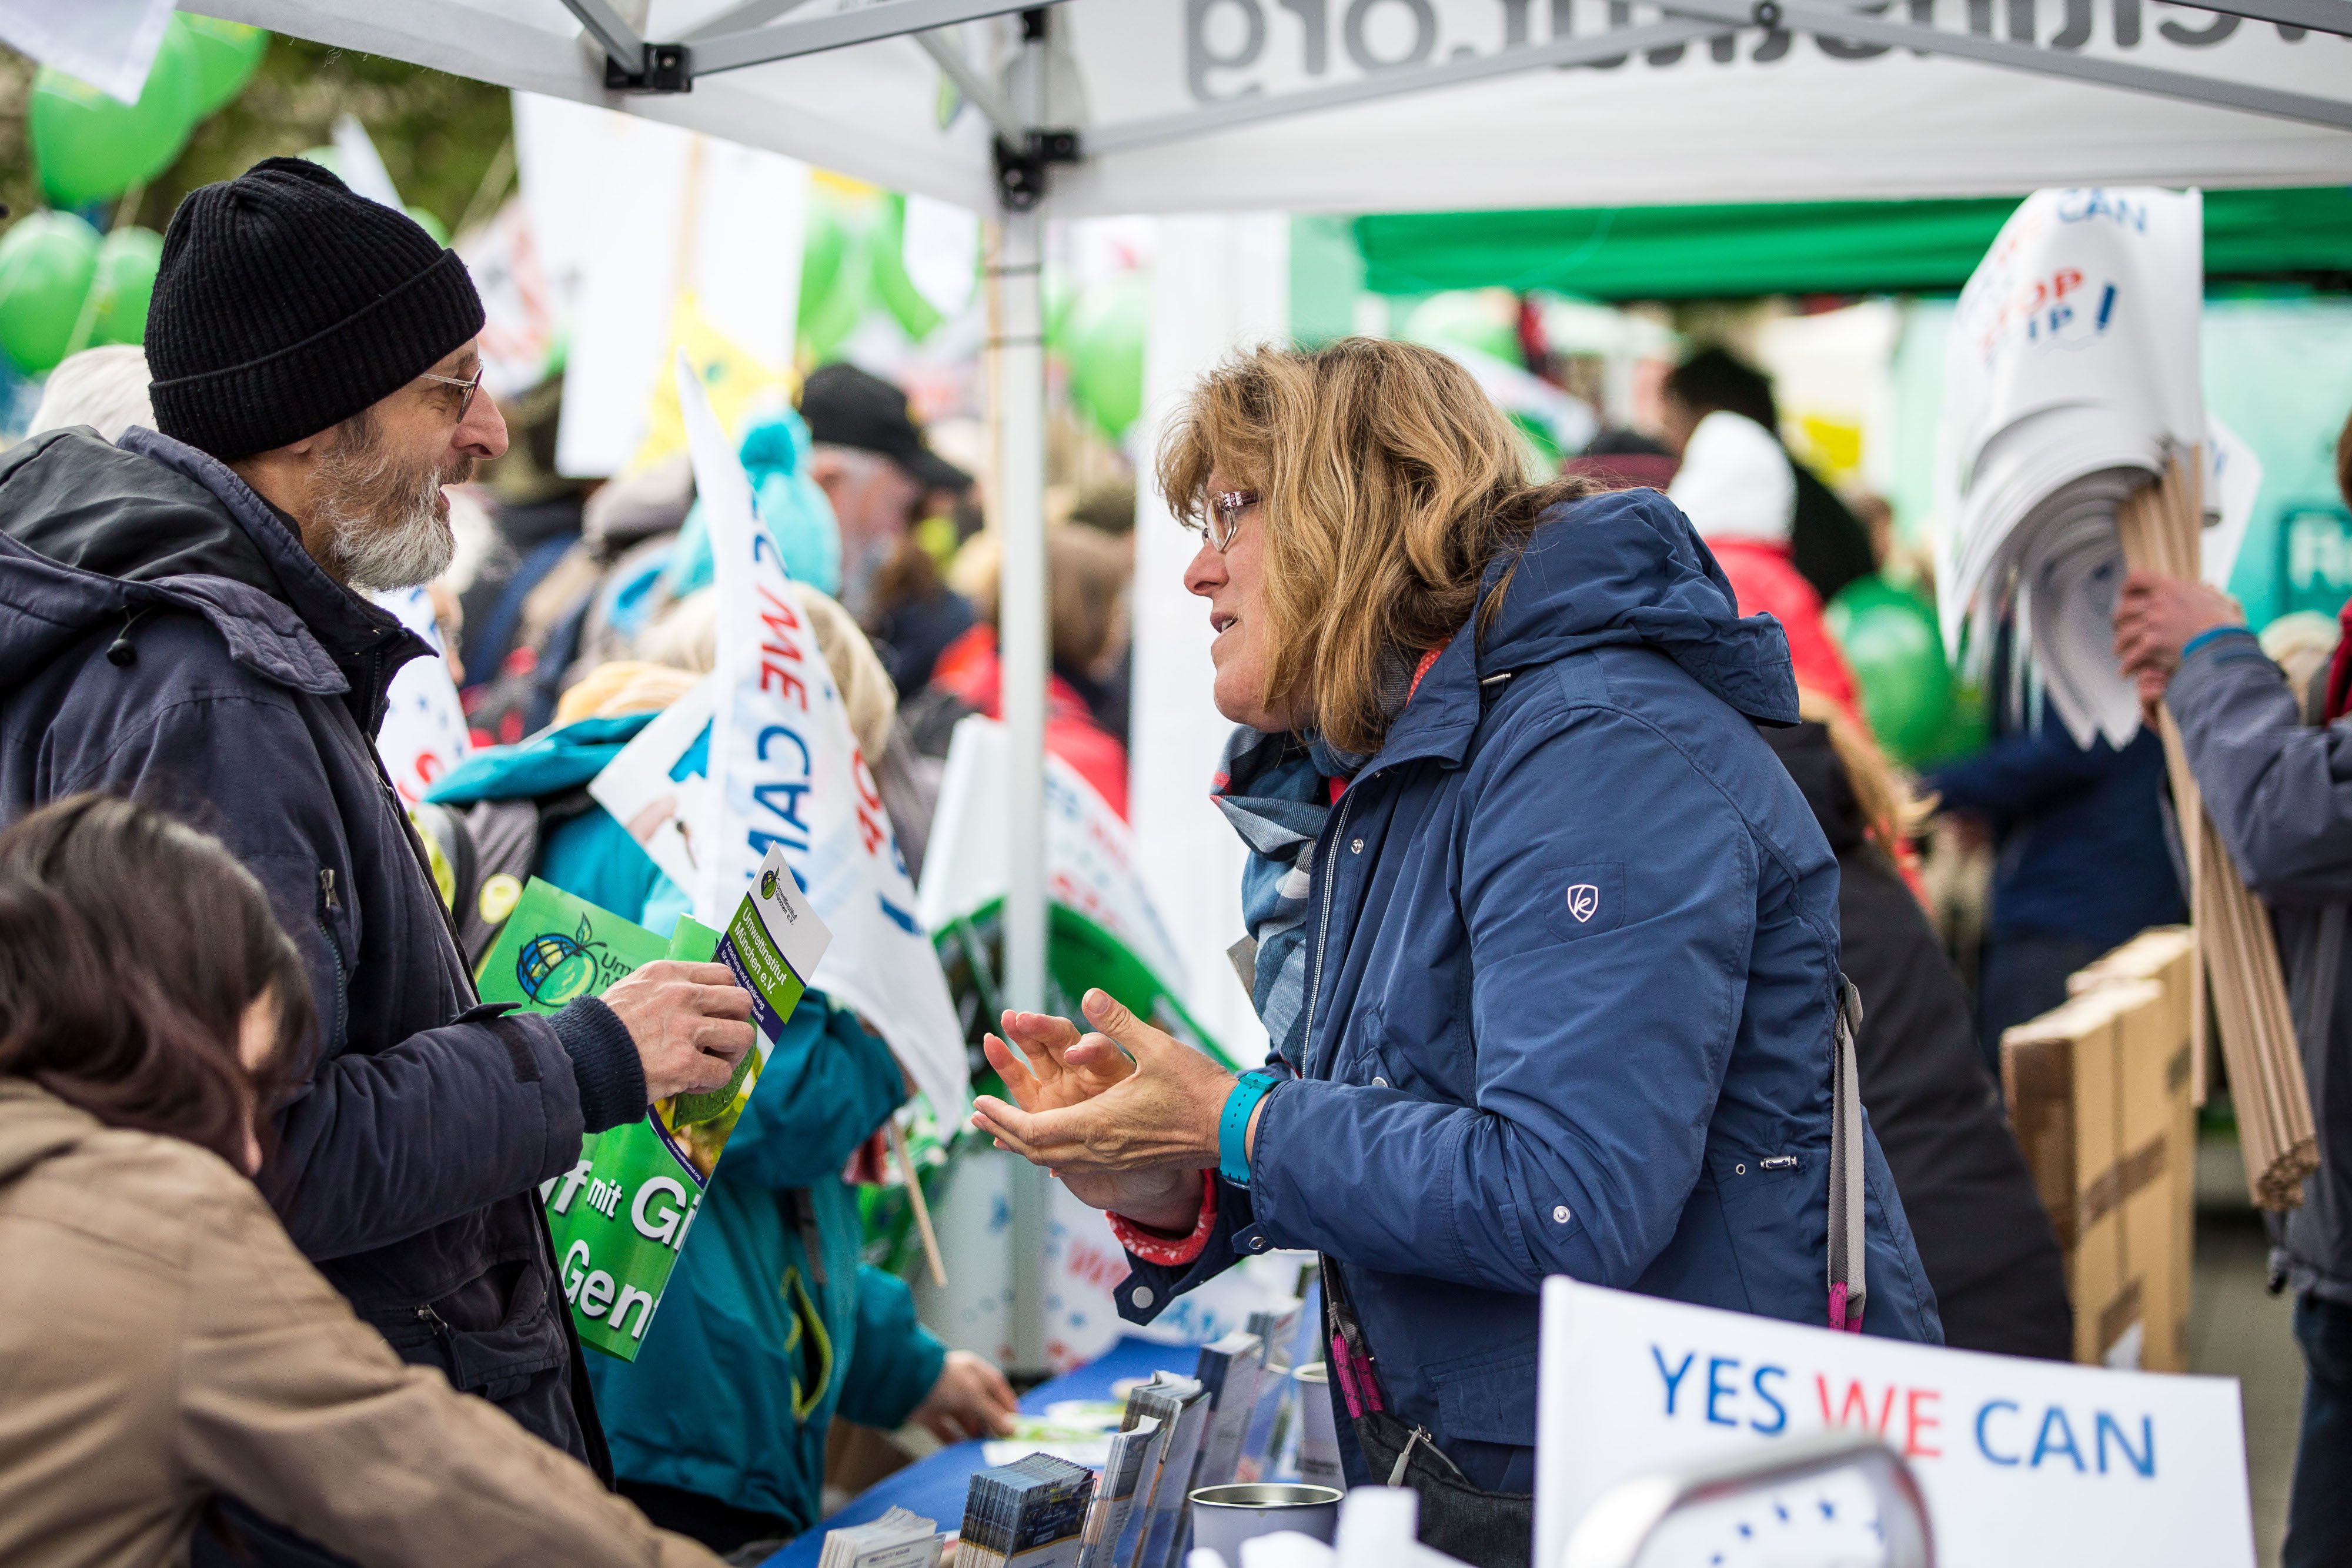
1323, 924
328, 900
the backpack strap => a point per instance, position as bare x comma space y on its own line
505, 836
1848, 1292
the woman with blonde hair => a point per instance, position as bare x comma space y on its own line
1544, 937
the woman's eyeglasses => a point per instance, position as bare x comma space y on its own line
469, 384
1224, 518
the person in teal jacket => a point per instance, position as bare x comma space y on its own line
582, 849
770, 1326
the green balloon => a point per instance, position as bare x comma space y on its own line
1464, 320
1896, 650
125, 281
426, 220
92, 148
916, 315
837, 267
1104, 330
46, 262
227, 54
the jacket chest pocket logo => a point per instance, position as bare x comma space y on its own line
1583, 900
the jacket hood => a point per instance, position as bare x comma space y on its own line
91, 533
111, 511
35, 1125
550, 761
1615, 570
1628, 568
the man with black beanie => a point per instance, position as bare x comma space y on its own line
180, 623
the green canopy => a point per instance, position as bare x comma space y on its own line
1798, 248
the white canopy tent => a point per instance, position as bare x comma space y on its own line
1094, 107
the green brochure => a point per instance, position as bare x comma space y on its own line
621, 1214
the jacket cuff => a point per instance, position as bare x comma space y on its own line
1154, 1247
605, 1064
2206, 663
915, 1371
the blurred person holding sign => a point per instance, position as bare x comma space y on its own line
2280, 791
1545, 937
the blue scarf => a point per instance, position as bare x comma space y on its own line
1276, 793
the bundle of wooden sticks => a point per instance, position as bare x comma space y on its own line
2238, 978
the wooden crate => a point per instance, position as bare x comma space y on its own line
2163, 956
2058, 1075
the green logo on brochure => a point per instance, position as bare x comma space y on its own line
767, 884
553, 968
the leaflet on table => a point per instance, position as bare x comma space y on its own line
620, 1215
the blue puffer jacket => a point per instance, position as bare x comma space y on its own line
1574, 985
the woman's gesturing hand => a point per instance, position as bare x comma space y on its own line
1056, 1065
1125, 1117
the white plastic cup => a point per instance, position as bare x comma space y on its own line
1223, 1517
1379, 1527
1318, 1440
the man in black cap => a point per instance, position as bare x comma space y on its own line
179, 621
870, 457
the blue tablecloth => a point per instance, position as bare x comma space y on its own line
935, 1487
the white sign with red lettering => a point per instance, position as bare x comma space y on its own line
424, 734
785, 771
2023, 1462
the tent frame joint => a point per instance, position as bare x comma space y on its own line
669, 67
1020, 169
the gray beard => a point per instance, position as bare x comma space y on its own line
383, 529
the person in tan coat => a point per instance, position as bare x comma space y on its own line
162, 1341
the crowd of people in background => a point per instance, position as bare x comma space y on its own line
282, 994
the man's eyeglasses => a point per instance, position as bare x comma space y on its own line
470, 384
1225, 518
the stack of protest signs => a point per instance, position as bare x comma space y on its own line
2072, 381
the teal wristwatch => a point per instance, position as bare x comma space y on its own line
1232, 1126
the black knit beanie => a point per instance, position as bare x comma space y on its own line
285, 303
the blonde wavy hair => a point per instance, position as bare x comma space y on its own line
1388, 483
1890, 807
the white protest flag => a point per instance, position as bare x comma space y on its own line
424, 734
1090, 852
2074, 374
785, 769
2019, 1461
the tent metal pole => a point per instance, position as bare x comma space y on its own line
1124, 136
861, 25
735, 18
1021, 648
946, 50
2319, 16
616, 37
1839, 24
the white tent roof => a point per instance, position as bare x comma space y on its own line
1203, 104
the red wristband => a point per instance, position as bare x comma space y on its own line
1153, 1247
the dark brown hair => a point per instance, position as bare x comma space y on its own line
131, 948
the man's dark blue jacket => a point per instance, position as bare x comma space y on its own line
247, 705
